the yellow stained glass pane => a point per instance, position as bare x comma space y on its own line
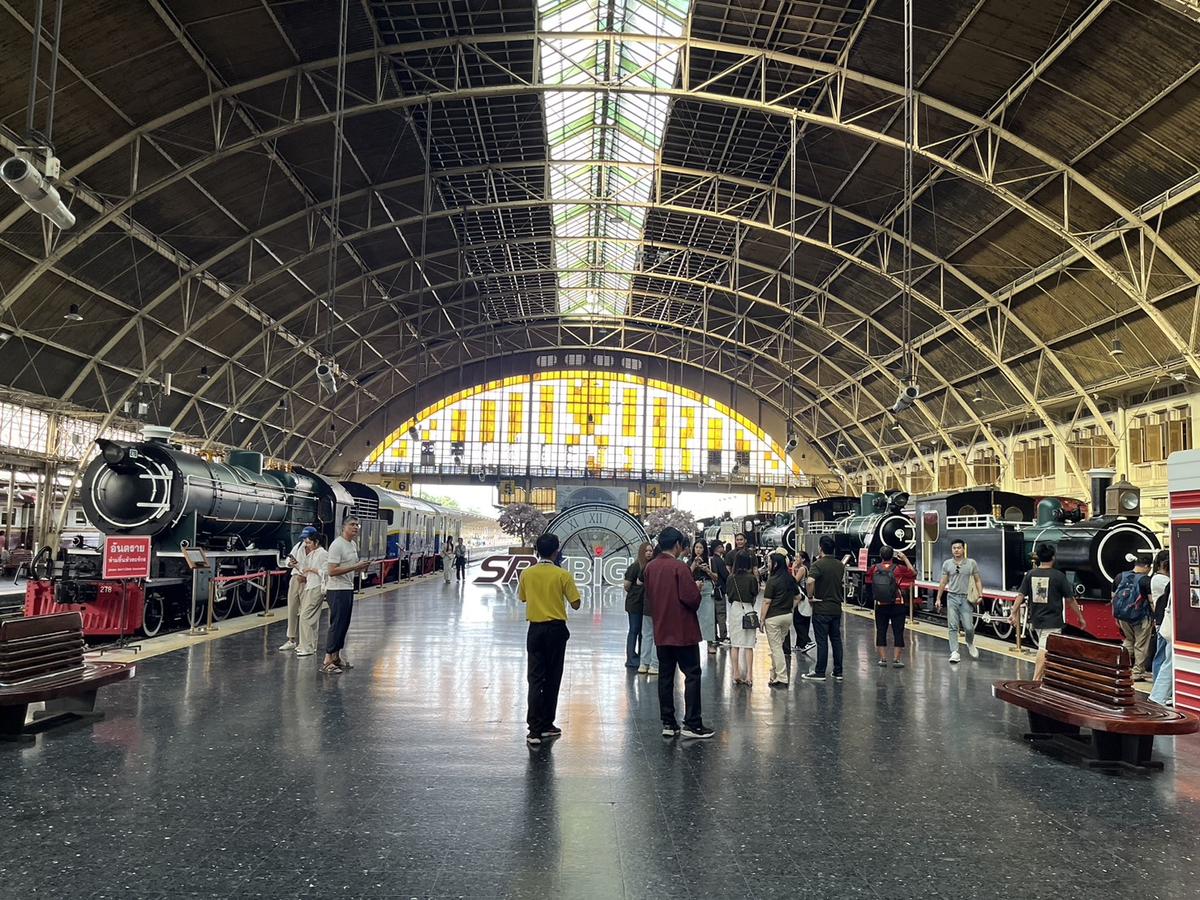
688, 430
660, 464
458, 425
658, 431
630, 409
487, 422
628, 459
516, 417
716, 434
546, 413
687, 461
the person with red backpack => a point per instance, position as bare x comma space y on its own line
890, 579
1132, 609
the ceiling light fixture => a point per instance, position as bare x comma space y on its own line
204, 373
978, 398
282, 404
1116, 349
4, 336
73, 314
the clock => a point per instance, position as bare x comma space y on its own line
597, 540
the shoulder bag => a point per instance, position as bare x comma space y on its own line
750, 619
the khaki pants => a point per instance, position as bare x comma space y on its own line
777, 628
295, 592
310, 618
1137, 642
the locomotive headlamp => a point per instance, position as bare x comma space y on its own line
114, 453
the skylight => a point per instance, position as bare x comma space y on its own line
595, 136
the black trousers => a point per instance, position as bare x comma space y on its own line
890, 615
687, 660
828, 630
460, 568
546, 643
341, 608
801, 624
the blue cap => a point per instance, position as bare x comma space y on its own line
308, 532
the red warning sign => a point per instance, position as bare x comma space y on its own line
126, 557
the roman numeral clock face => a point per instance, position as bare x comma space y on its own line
598, 541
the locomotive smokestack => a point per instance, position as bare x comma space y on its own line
1101, 480
160, 434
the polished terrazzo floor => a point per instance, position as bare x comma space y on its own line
228, 770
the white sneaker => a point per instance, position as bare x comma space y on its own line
642, 670
954, 657
290, 645
300, 651
973, 650
653, 670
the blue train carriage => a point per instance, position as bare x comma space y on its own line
989, 522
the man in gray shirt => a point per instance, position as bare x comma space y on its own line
343, 565
957, 573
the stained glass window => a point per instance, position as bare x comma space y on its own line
579, 423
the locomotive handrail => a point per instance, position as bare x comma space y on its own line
827, 527
975, 520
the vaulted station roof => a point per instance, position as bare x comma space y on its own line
517, 177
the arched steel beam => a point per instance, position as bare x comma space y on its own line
451, 285
769, 105
894, 278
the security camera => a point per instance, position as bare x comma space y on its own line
792, 442
700, 482
413, 434
38, 193
908, 396
325, 379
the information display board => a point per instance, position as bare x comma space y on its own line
1183, 479
126, 557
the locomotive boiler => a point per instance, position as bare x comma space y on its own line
781, 532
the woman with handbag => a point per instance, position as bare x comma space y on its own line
702, 572
741, 590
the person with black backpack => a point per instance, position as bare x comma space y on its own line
1132, 608
889, 579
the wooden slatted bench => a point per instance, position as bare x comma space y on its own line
1087, 684
41, 660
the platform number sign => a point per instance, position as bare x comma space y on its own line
766, 496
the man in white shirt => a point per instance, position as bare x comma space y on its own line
296, 561
342, 565
313, 568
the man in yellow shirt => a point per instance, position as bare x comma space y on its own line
545, 589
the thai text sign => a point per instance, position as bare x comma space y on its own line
126, 557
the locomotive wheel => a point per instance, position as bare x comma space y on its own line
248, 594
153, 614
226, 596
1001, 610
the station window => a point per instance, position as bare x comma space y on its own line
986, 465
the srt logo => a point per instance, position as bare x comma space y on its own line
507, 569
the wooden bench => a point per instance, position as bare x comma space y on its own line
41, 660
1087, 684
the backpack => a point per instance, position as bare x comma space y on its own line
1128, 604
883, 585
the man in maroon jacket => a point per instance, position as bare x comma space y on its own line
672, 599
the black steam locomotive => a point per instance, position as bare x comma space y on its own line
1000, 529
243, 517
860, 527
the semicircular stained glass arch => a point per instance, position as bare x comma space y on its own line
585, 422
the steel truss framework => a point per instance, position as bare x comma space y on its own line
955, 143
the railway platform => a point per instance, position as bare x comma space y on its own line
230, 769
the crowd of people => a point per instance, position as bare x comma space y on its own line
679, 595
